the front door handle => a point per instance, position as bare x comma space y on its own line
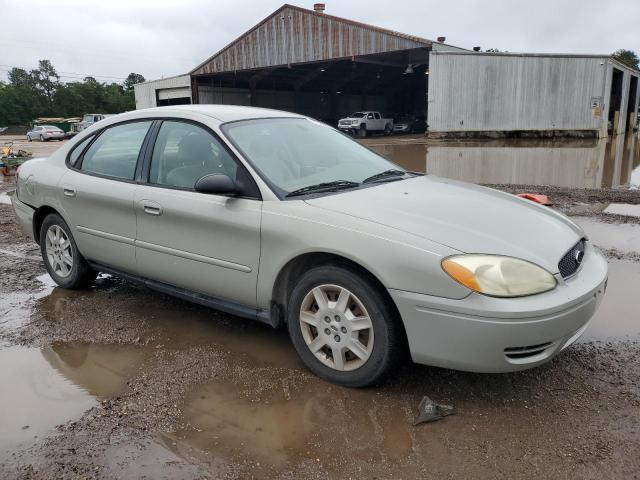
68, 191
151, 208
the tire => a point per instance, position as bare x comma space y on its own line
41, 138
29, 138
387, 129
362, 131
63, 260
332, 330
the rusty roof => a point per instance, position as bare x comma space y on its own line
272, 43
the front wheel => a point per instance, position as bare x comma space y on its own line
344, 330
362, 131
29, 138
63, 261
41, 138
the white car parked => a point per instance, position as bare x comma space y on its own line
44, 133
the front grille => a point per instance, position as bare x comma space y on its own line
345, 122
518, 353
569, 264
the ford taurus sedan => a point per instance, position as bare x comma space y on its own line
278, 218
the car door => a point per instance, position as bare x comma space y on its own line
97, 193
379, 121
204, 243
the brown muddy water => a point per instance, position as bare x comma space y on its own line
606, 163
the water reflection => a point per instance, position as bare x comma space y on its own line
277, 429
605, 163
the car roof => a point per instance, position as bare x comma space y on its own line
225, 113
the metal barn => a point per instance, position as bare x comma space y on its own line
165, 91
504, 92
308, 62
316, 64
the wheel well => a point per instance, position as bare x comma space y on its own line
38, 217
286, 281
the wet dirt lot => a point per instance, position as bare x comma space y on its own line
121, 382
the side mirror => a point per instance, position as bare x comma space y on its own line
216, 183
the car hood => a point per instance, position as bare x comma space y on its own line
462, 216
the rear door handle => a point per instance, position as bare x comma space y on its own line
151, 208
68, 191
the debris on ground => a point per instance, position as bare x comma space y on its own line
536, 197
11, 159
429, 411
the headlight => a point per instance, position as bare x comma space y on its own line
498, 276
355, 122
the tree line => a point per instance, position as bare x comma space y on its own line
40, 93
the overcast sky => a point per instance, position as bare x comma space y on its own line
110, 38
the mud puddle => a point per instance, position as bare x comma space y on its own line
321, 424
50, 386
16, 307
625, 209
35, 397
622, 237
5, 198
618, 317
571, 163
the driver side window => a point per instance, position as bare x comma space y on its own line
183, 153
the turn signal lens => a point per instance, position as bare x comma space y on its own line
498, 276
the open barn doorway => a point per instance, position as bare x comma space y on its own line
394, 84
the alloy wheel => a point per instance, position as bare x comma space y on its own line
59, 252
336, 327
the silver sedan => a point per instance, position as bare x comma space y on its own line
278, 218
44, 133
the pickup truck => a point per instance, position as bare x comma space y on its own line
361, 123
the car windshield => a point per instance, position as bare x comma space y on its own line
296, 153
357, 115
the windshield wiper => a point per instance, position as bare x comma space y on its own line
383, 175
324, 187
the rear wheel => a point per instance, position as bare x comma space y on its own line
387, 129
41, 138
63, 261
344, 330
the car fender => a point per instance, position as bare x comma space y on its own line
397, 259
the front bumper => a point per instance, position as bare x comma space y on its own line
24, 216
487, 334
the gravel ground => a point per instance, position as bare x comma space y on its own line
180, 391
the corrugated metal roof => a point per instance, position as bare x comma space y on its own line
297, 35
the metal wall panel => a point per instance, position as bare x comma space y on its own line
145, 93
506, 92
295, 35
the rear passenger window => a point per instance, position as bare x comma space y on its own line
77, 151
184, 153
115, 151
